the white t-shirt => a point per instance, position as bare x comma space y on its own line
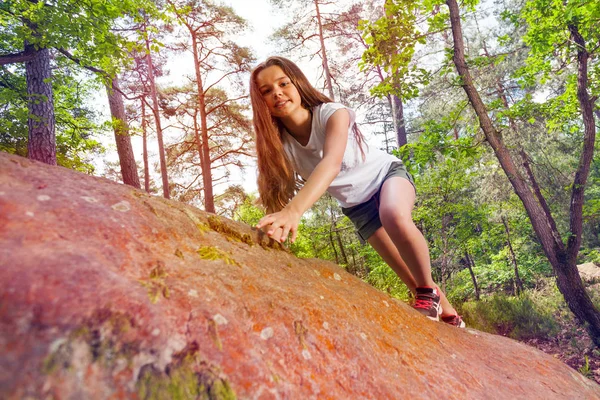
358, 180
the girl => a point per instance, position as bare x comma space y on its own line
301, 131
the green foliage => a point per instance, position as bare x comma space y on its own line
526, 74
446, 169
248, 212
385, 279
326, 234
75, 121
585, 370
84, 29
591, 207
392, 40
517, 317
553, 54
590, 255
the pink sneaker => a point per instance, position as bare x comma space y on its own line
454, 320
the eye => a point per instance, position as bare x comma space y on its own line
283, 84
266, 91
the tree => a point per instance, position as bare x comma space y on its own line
135, 83
127, 163
389, 43
216, 59
563, 258
82, 31
447, 212
75, 123
568, 26
228, 134
146, 31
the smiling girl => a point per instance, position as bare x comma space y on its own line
301, 132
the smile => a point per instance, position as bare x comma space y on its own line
281, 104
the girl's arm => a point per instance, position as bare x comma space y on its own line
286, 221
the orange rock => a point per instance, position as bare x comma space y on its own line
107, 292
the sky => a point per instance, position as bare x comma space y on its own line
263, 20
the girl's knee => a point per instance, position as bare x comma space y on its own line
397, 220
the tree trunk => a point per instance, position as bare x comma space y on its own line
41, 121
328, 80
145, 146
470, 265
129, 171
513, 258
157, 123
354, 264
333, 228
204, 145
339, 240
332, 242
398, 118
563, 260
446, 219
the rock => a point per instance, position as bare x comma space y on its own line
107, 292
589, 271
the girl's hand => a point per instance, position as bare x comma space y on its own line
281, 224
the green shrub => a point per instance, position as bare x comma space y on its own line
589, 255
460, 288
385, 279
519, 317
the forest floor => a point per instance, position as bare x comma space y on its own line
573, 346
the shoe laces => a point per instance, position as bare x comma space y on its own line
423, 303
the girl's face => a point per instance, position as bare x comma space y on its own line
278, 91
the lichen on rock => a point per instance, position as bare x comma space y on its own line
187, 377
214, 253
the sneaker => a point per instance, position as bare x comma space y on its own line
427, 302
454, 320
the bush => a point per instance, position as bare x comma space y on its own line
519, 317
385, 279
589, 255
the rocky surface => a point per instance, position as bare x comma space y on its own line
589, 271
109, 293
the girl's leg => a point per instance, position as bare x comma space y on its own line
384, 246
396, 202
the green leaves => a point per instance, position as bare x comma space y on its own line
84, 28
392, 40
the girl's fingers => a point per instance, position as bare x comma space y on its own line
276, 235
264, 221
294, 235
273, 228
284, 234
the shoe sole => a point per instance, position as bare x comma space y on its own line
462, 324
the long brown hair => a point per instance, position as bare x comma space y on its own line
277, 180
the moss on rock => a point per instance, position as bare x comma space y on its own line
220, 225
187, 377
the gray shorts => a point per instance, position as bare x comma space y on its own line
365, 216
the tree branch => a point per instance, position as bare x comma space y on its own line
22, 56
